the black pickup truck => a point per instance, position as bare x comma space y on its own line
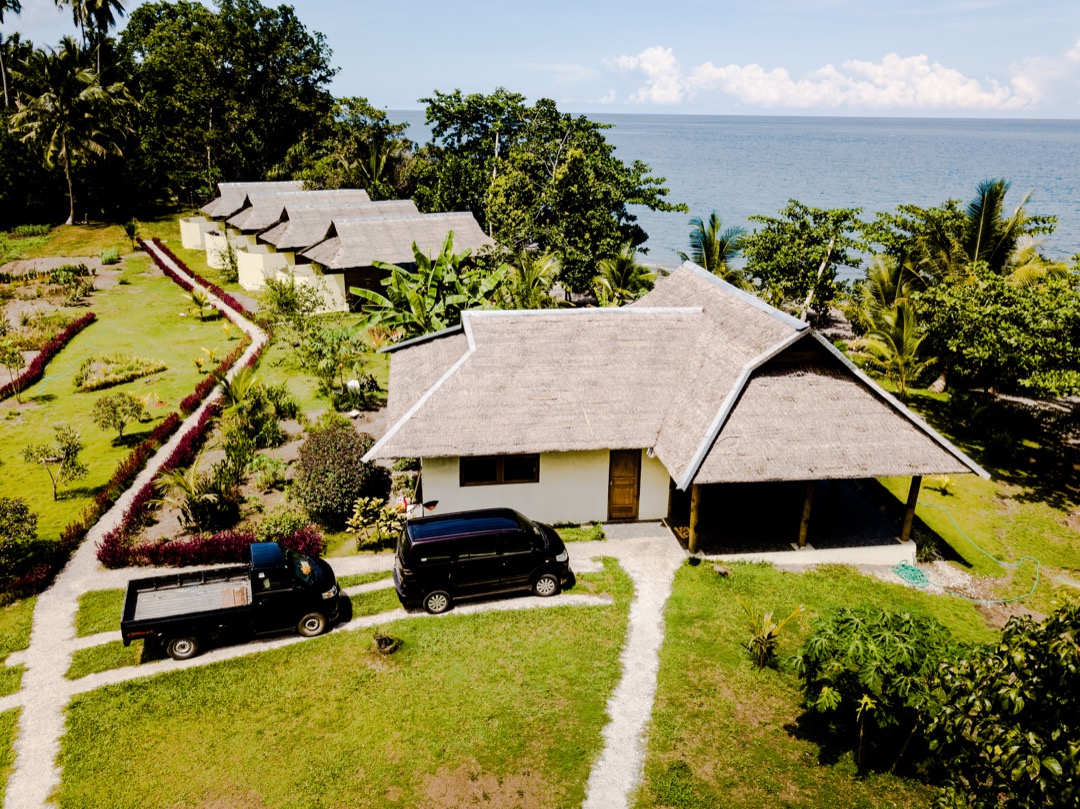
278, 589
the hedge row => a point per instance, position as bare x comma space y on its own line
78, 270
36, 369
220, 293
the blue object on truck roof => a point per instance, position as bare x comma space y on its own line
266, 554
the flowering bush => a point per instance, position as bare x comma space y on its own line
203, 549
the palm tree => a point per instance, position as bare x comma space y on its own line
1003, 245
530, 281
712, 247
621, 279
889, 280
892, 348
94, 18
64, 108
14, 7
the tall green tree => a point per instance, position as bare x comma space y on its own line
13, 7
94, 19
891, 347
794, 257
65, 110
224, 92
621, 278
534, 176
713, 247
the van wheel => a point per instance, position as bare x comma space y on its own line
182, 648
546, 585
312, 624
437, 602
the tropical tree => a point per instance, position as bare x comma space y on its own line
712, 247
891, 348
14, 7
622, 279
66, 111
115, 411
531, 280
794, 257
60, 458
432, 296
13, 360
94, 19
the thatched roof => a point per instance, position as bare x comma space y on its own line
233, 196
359, 241
305, 225
722, 387
267, 209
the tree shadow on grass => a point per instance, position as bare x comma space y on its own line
1029, 444
41, 398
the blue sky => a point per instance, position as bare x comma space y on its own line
946, 58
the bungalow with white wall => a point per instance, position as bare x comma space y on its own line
196, 232
612, 414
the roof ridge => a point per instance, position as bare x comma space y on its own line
745, 297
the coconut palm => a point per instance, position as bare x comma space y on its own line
64, 109
14, 7
530, 281
712, 247
621, 279
892, 348
889, 280
94, 18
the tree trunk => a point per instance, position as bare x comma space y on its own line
3, 72
903, 749
71, 189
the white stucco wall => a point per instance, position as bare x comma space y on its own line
330, 286
193, 230
257, 263
573, 487
215, 245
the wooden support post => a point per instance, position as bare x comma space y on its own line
909, 510
695, 514
804, 524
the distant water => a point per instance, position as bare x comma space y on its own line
746, 165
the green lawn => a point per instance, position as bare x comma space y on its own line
141, 317
106, 656
498, 709
364, 578
15, 624
581, 533
375, 602
76, 241
724, 733
9, 723
99, 611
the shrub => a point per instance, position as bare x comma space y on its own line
106, 370
114, 412
406, 465
282, 522
765, 634
330, 476
268, 473
110, 255
376, 523
18, 529
25, 231
1005, 719
869, 668
60, 458
285, 406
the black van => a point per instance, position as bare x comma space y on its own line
476, 553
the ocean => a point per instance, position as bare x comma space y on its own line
742, 166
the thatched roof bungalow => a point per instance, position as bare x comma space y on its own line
597, 414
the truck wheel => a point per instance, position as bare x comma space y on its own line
546, 585
437, 602
312, 624
182, 648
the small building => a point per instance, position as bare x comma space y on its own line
352, 245
197, 232
622, 414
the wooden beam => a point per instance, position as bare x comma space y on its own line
804, 523
695, 516
909, 510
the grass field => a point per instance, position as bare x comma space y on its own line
726, 734
106, 656
141, 317
9, 721
494, 709
99, 611
15, 623
363, 578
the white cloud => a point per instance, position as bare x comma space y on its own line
896, 82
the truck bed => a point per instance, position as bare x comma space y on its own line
170, 596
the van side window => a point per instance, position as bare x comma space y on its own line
516, 542
476, 547
432, 553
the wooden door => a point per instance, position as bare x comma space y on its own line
624, 484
